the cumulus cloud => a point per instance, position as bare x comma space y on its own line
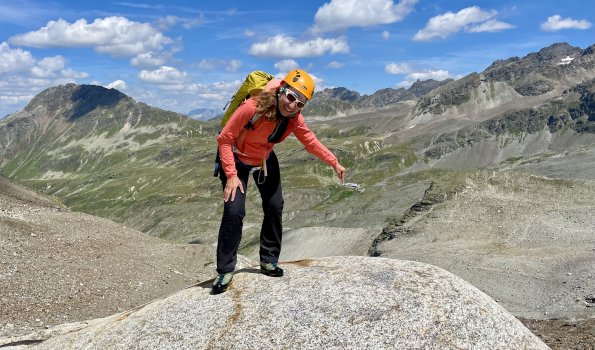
288, 47
116, 36
412, 74
165, 75
150, 59
14, 60
342, 14
22, 76
19, 62
438, 74
118, 85
286, 65
470, 19
397, 68
556, 22
48, 67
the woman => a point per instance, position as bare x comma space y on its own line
246, 148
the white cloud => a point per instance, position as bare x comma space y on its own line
22, 76
150, 59
342, 14
209, 64
335, 65
413, 74
556, 22
288, 47
385, 34
286, 65
116, 36
470, 19
438, 74
48, 67
195, 22
165, 23
20, 63
233, 65
397, 68
165, 75
118, 85
249, 33
424, 75
491, 25
14, 60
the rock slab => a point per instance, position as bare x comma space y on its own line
328, 303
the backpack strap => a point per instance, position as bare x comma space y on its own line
250, 124
242, 135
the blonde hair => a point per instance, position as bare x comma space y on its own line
267, 105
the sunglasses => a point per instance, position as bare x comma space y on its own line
293, 97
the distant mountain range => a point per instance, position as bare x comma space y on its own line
205, 114
101, 152
341, 101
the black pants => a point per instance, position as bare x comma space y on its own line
230, 231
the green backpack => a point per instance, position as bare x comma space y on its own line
252, 86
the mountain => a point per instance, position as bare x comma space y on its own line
509, 84
205, 114
103, 153
341, 101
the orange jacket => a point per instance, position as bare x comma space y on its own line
255, 147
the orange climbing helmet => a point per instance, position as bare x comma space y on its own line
301, 81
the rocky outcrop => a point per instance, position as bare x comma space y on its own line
331, 303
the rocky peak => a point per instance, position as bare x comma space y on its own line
420, 88
554, 53
387, 96
339, 93
77, 99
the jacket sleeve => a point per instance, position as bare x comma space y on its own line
311, 143
227, 137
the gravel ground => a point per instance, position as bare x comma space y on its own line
58, 266
564, 334
524, 240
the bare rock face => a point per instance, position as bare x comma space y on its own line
330, 303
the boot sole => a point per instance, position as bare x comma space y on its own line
274, 273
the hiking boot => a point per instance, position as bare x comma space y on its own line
221, 282
271, 269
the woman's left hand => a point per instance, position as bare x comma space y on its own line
340, 171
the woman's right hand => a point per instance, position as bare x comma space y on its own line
230, 188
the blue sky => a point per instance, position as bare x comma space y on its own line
180, 55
